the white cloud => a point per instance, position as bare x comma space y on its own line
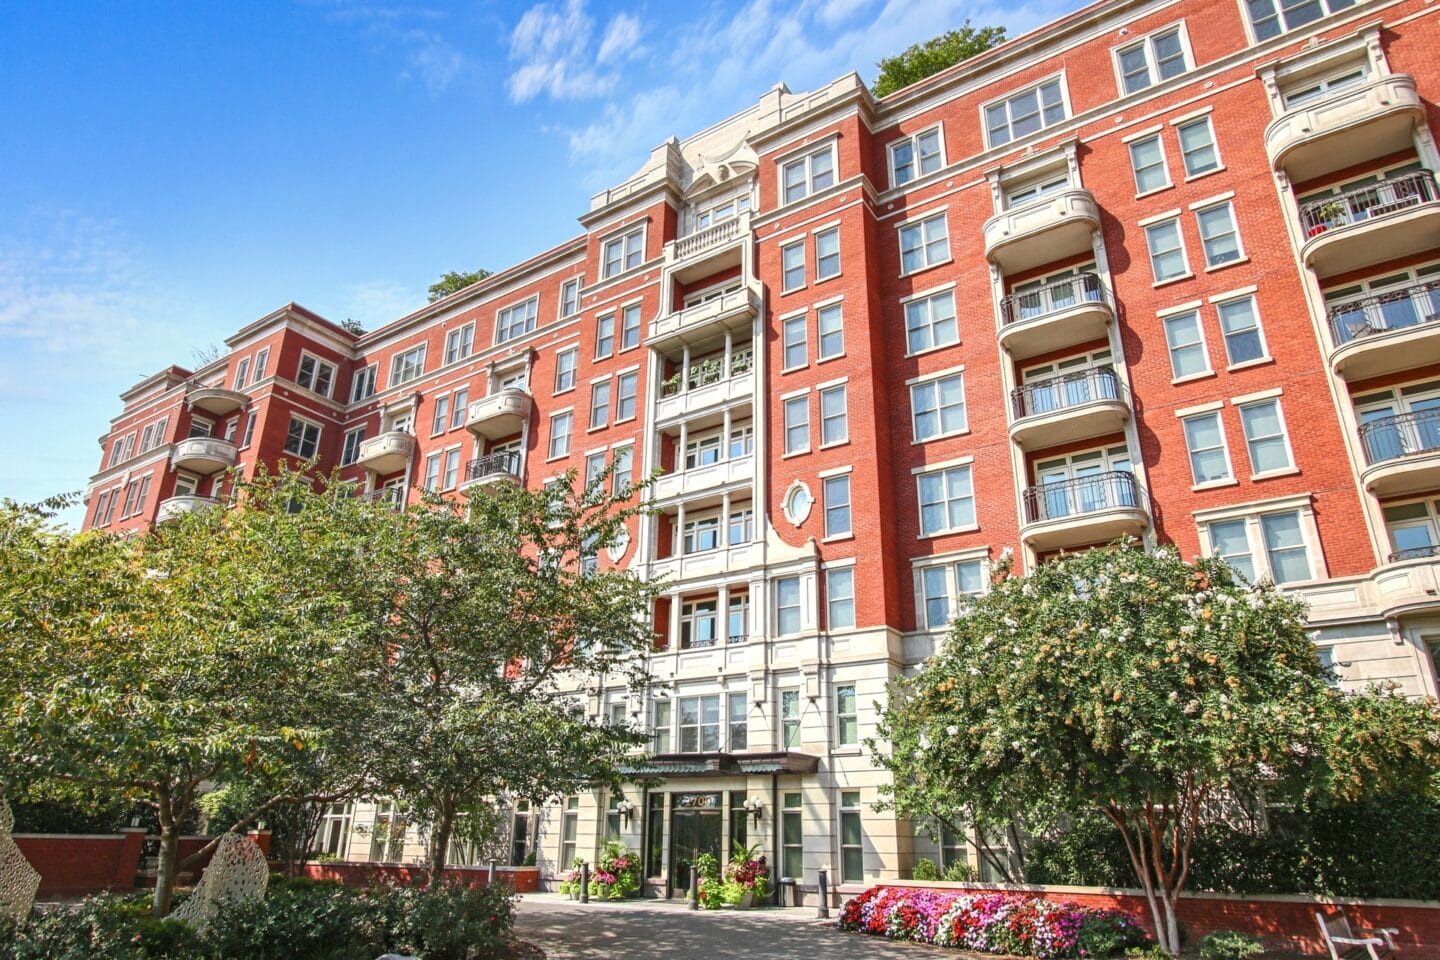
377, 302
430, 59
833, 12
555, 52
622, 39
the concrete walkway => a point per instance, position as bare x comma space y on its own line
645, 929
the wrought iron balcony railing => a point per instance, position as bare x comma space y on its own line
1366, 203
1403, 435
1067, 390
1385, 312
1113, 490
1051, 298
500, 463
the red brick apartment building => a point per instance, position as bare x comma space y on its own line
1168, 268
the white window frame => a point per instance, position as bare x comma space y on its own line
1152, 64
920, 230
918, 159
350, 448
808, 187
600, 393
1179, 248
1223, 446
457, 345
319, 431
242, 371
800, 322
626, 329
1253, 515
1225, 300
440, 415
837, 309
820, 274
785, 250
568, 418
826, 420
1284, 436
1229, 207
933, 384
835, 597
560, 371
605, 334
852, 715
459, 402
527, 311
362, 385
1140, 189
840, 482
798, 606
566, 297
801, 402
1170, 346
622, 242
926, 301
623, 396
1187, 123
420, 349
262, 360
949, 580
1277, 15
315, 377
943, 472
1008, 99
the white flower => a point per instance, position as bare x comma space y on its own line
952, 730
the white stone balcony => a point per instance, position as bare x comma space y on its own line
706, 390
173, 508
706, 251
216, 400
1351, 126
1086, 510
1395, 218
1054, 227
734, 311
1402, 453
1387, 333
706, 479
1068, 408
388, 453
203, 455
710, 563
1065, 313
501, 414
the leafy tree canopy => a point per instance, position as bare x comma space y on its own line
455, 281
1145, 689
931, 56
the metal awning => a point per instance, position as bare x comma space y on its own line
719, 765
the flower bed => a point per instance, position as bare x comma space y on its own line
991, 923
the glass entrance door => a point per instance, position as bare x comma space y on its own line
696, 827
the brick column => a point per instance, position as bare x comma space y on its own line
127, 864
262, 840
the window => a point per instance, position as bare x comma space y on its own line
837, 506
661, 739
516, 320
793, 342
831, 332
565, 365
623, 253
1241, 328
924, 244
938, 407
199, 427
1270, 18
852, 839
594, 466
1265, 436
738, 626
840, 598
432, 473
117, 451
132, 499
363, 386
459, 343
792, 266
717, 211
249, 430
934, 597
1229, 542
302, 439
1147, 160
1285, 547
1025, 112
1205, 439
834, 418
1159, 56
440, 420
699, 724
101, 503
230, 426
790, 719
741, 527
570, 297
738, 709
153, 435
630, 327
242, 370
1414, 529
350, 451
792, 837
262, 358
847, 725
605, 336
930, 322
315, 374
698, 625
947, 501
701, 535
742, 440
1188, 357
407, 366
797, 425
1270, 544
561, 426
625, 386
787, 606
702, 451
1167, 250
827, 254
1322, 87
801, 177
452, 469
623, 465
110, 510
1197, 147
1218, 234
461, 402
569, 830
1028, 191
915, 156
599, 404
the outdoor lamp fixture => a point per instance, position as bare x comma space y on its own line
626, 809
755, 805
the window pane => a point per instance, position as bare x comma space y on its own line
1285, 546
1147, 158
1242, 330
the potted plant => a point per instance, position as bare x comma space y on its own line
616, 874
1327, 215
747, 877
570, 886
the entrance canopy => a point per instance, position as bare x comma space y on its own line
720, 764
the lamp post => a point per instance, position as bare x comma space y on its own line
754, 806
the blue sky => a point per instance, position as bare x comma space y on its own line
170, 171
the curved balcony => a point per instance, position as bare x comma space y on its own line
501, 414
707, 251
216, 400
1351, 126
1394, 218
1386, 333
1052, 228
1085, 510
500, 467
173, 508
1415, 553
1402, 453
733, 310
709, 563
706, 479
1062, 314
203, 455
1074, 406
706, 387
388, 453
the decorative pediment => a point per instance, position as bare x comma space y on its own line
713, 169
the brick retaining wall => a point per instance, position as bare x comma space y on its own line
361, 874
77, 865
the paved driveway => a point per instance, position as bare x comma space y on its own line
647, 929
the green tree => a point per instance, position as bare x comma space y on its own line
931, 56
453, 282
1150, 691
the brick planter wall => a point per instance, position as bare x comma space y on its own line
360, 874
78, 865
1282, 921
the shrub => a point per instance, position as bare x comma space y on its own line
449, 922
1106, 934
101, 928
925, 869
1230, 945
296, 921
960, 872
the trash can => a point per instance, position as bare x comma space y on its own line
784, 886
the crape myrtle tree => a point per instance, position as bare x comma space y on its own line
154, 667
1145, 688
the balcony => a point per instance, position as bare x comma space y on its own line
1352, 126
1431, 552
1057, 226
390, 452
501, 414
709, 250
1085, 510
1386, 333
500, 467
1062, 314
176, 507
216, 400
706, 479
733, 310
1402, 453
710, 563
203, 455
706, 387
1394, 218
1075, 406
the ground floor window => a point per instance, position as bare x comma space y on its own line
569, 829
952, 847
739, 825
333, 837
655, 855
612, 816
520, 833
792, 838
387, 834
852, 838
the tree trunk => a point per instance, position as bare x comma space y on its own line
168, 869
1172, 924
440, 832
1135, 847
